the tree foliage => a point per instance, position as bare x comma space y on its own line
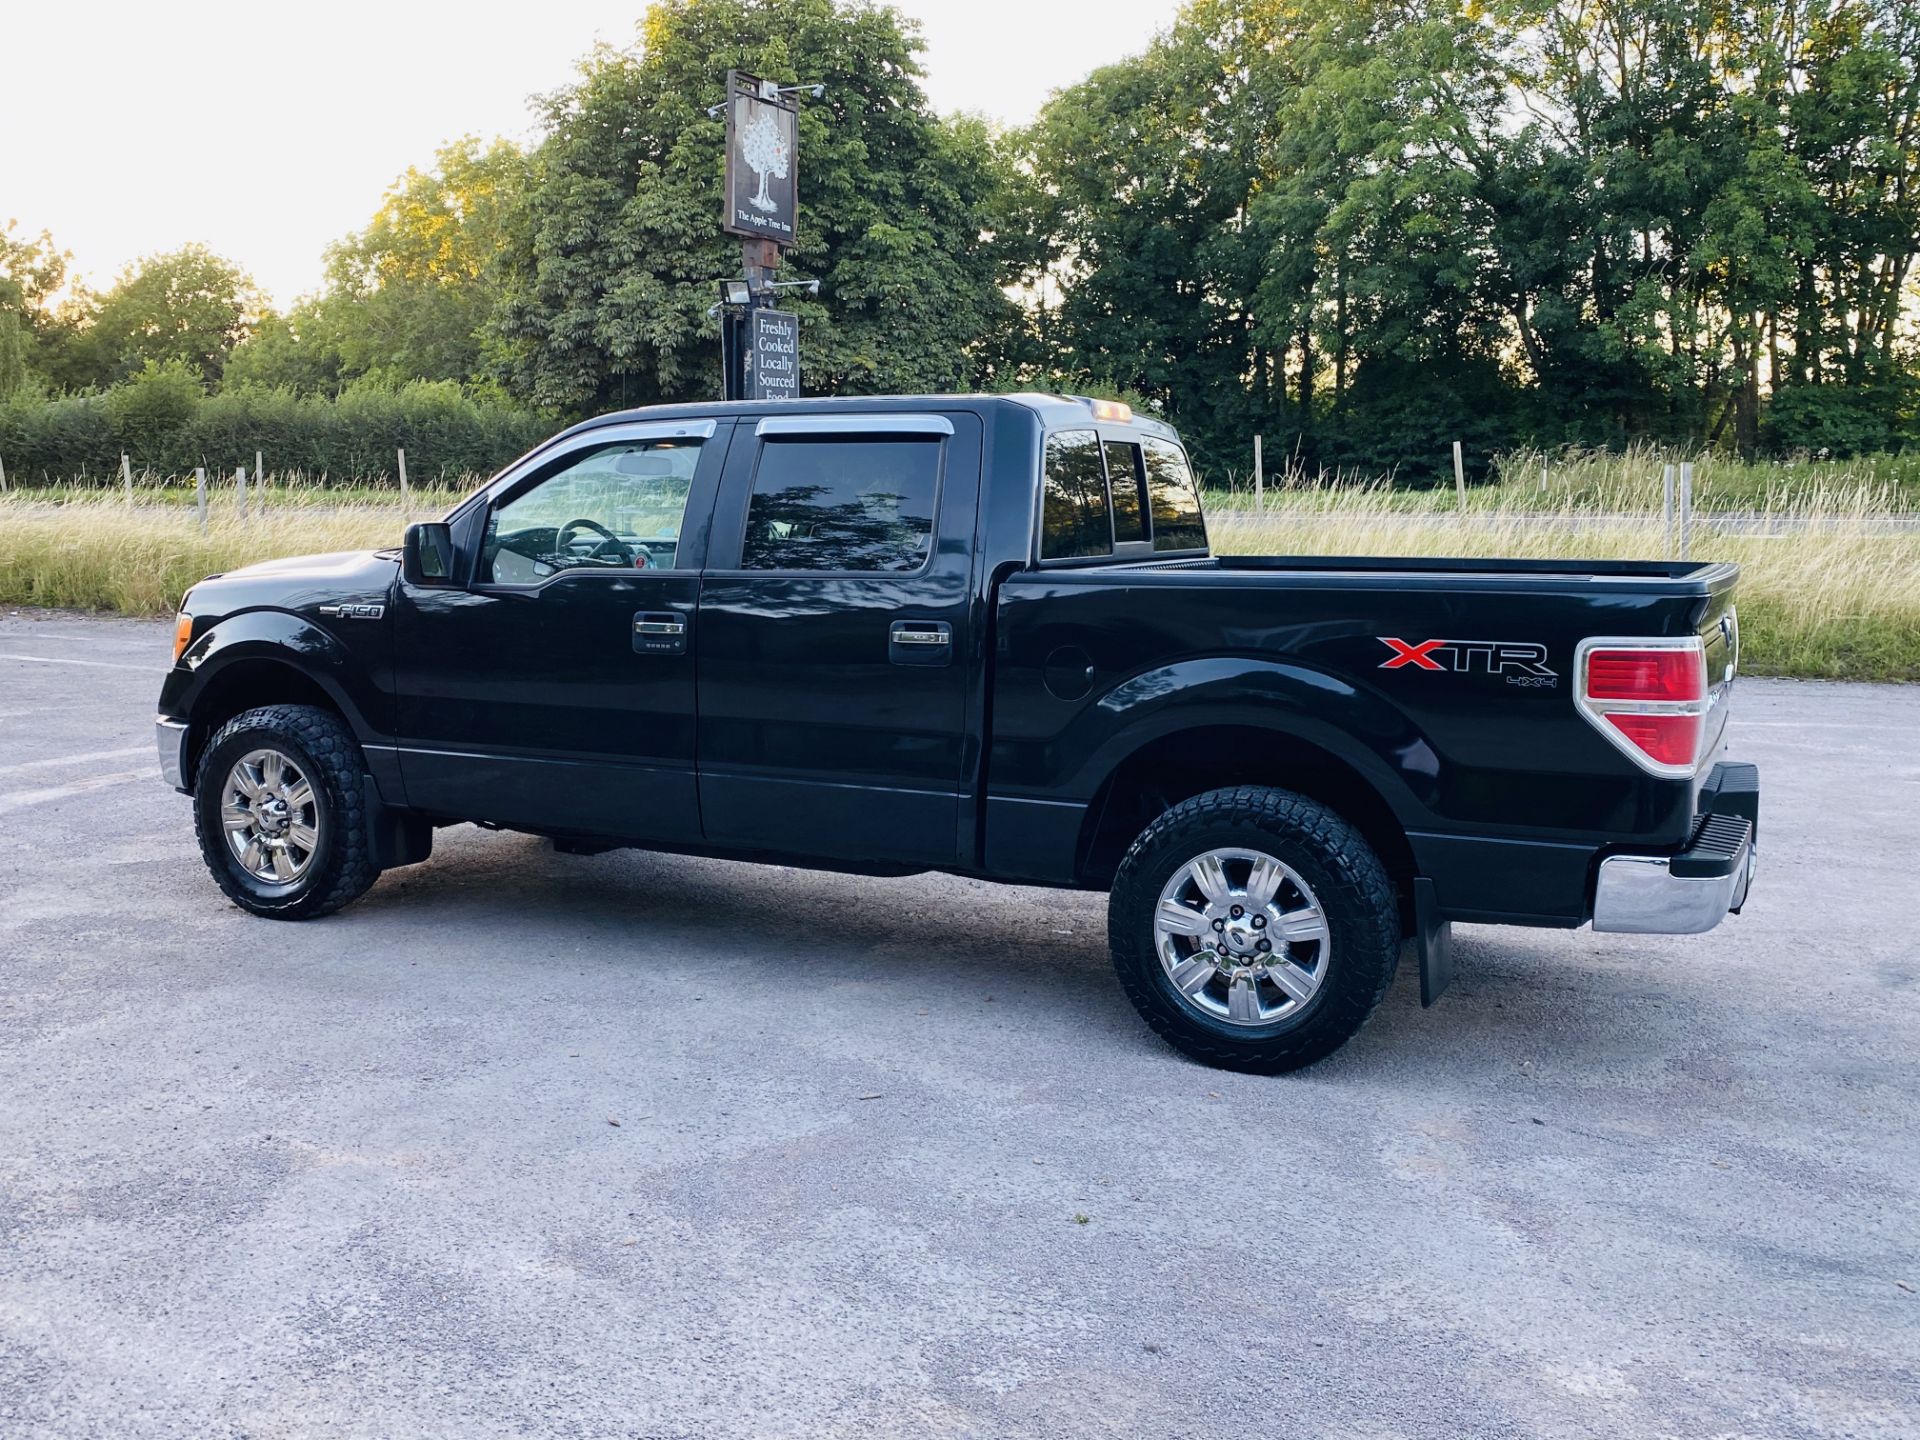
607, 302
1377, 227
189, 306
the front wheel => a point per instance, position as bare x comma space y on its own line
281, 815
1253, 929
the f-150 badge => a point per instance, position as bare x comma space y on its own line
354, 612
1522, 662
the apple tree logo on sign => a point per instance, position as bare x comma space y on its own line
763, 145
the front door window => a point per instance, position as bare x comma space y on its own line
617, 507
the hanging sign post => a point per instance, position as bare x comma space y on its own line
759, 345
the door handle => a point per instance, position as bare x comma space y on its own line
659, 634
920, 642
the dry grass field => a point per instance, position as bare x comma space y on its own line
1830, 553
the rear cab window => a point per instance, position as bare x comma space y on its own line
1075, 520
1172, 497
1128, 496
1123, 485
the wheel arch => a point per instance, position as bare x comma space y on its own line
246, 682
1176, 765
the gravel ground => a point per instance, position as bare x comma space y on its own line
527, 1144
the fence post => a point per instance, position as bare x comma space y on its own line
1259, 477
1543, 474
240, 488
260, 474
1686, 507
200, 494
3, 477
1666, 506
1459, 475
126, 475
404, 498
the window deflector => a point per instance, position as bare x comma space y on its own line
876, 424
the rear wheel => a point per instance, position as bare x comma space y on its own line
281, 815
1253, 929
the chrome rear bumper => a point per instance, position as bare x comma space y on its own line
1693, 891
1640, 894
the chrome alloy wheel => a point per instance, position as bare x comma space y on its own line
272, 820
1241, 937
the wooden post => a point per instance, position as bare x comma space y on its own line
240, 488
1686, 508
126, 475
200, 494
1459, 475
1543, 474
404, 499
1666, 506
260, 474
3, 477
1259, 476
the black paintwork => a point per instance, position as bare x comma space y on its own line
790, 723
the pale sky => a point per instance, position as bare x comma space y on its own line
266, 129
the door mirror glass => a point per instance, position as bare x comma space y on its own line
428, 556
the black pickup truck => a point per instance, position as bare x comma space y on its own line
982, 635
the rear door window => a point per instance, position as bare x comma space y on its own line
1172, 499
1074, 519
860, 503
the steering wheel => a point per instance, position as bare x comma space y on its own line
562, 541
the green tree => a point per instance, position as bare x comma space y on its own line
1141, 182
285, 352
43, 317
607, 297
189, 305
409, 297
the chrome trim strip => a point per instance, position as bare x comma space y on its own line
1640, 895
170, 739
875, 424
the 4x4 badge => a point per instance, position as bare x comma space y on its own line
1522, 662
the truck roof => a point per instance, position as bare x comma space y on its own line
1055, 412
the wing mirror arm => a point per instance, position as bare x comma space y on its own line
428, 558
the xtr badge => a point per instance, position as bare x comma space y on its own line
1520, 662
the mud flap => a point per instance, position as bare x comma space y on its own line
1433, 937
399, 837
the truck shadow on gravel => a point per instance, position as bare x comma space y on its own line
944, 940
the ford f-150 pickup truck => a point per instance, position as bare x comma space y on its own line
984, 635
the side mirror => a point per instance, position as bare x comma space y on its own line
427, 558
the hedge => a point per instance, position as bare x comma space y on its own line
168, 428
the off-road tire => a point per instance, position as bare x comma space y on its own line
342, 867
1346, 877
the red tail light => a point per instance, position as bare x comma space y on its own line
1649, 697
1647, 675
